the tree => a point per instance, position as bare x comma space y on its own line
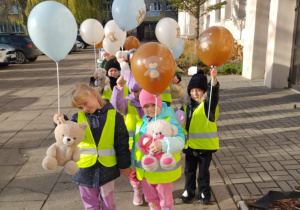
81, 10
8, 14
196, 9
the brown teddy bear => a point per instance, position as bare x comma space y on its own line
64, 152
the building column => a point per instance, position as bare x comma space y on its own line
256, 30
280, 41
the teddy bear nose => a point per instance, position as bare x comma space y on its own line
68, 139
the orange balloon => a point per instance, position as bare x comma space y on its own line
131, 42
215, 46
99, 45
153, 67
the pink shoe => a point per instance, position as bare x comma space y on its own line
137, 196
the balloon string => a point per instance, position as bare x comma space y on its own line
155, 119
58, 94
210, 97
95, 56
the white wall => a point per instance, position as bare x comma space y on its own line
280, 40
187, 24
257, 19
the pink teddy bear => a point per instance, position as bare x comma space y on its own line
152, 162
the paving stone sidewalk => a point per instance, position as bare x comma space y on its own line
259, 132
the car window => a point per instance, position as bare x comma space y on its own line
5, 40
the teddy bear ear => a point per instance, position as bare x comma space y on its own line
61, 120
83, 125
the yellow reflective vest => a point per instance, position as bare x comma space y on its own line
166, 95
160, 176
107, 94
104, 152
200, 135
131, 118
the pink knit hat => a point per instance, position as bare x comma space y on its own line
147, 98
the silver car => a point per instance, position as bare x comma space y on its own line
7, 55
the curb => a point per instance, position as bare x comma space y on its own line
242, 206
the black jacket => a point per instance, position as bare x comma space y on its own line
98, 175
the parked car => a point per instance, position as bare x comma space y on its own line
25, 49
82, 43
7, 55
76, 47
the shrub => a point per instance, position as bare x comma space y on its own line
231, 68
199, 63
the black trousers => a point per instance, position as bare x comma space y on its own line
191, 163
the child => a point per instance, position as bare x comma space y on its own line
202, 138
157, 185
131, 108
177, 87
102, 60
107, 136
112, 68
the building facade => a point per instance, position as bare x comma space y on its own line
268, 30
155, 11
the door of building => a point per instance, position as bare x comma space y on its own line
294, 77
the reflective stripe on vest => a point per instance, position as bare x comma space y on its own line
201, 135
166, 95
131, 118
104, 152
159, 176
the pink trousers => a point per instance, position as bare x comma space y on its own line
158, 196
91, 197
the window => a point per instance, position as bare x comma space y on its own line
169, 7
156, 6
218, 12
228, 10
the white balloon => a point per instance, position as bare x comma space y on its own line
114, 33
91, 31
167, 32
110, 47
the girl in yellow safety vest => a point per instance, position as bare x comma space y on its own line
202, 138
104, 152
131, 108
158, 185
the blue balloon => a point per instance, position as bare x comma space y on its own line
178, 49
53, 29
128, 14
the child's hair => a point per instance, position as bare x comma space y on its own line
84, 89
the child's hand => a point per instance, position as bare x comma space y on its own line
126, 172
155, 147
56, 118
120, 80
213, 74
